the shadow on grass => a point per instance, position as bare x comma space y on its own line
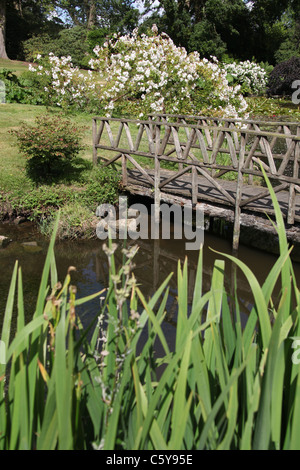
59, 171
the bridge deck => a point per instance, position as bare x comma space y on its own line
207, 192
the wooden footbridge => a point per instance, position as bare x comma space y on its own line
211, 163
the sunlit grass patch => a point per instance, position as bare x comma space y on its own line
16, 66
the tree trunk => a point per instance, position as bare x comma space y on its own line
3, 54
199, 10
92, 15
18, 6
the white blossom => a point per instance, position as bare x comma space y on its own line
147, 73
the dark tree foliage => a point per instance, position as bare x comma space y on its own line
26, 19
118, 15
240, 29
283, 76
25, 22
265, 35
261, 30
212, 27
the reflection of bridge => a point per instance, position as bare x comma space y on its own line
210, 163
156, 259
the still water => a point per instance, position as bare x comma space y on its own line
154, 261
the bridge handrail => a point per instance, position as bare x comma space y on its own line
200, 126
210, 141
212, 118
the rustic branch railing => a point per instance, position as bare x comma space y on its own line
206, 148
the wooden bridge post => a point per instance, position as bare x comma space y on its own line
156, 253
292, 191
94, 141
157, 181
239, 189
194, 185
124, 170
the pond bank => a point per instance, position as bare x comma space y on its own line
257, 232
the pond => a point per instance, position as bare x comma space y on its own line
154, 261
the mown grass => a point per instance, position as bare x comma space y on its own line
12, 162
16, 66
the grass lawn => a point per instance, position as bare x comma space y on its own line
16, 66
78, 193
12, 162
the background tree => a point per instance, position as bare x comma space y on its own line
241, 29
3, 54
212, 27
290, 46
80, 12
24, 19
118, 15
113, 14
264, 30
64, 25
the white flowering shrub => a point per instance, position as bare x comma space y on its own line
149, 74
62, 84
250, 76
140, 75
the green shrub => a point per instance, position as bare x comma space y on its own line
24, 89
37, 44
50, 146
76, 222
33, 92
69, 42
101, 186
38, 203
13, 91
97, 37
73, 42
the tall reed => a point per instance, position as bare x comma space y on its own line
222, 387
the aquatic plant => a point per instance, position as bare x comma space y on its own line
222, 387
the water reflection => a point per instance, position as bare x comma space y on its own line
154, 261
